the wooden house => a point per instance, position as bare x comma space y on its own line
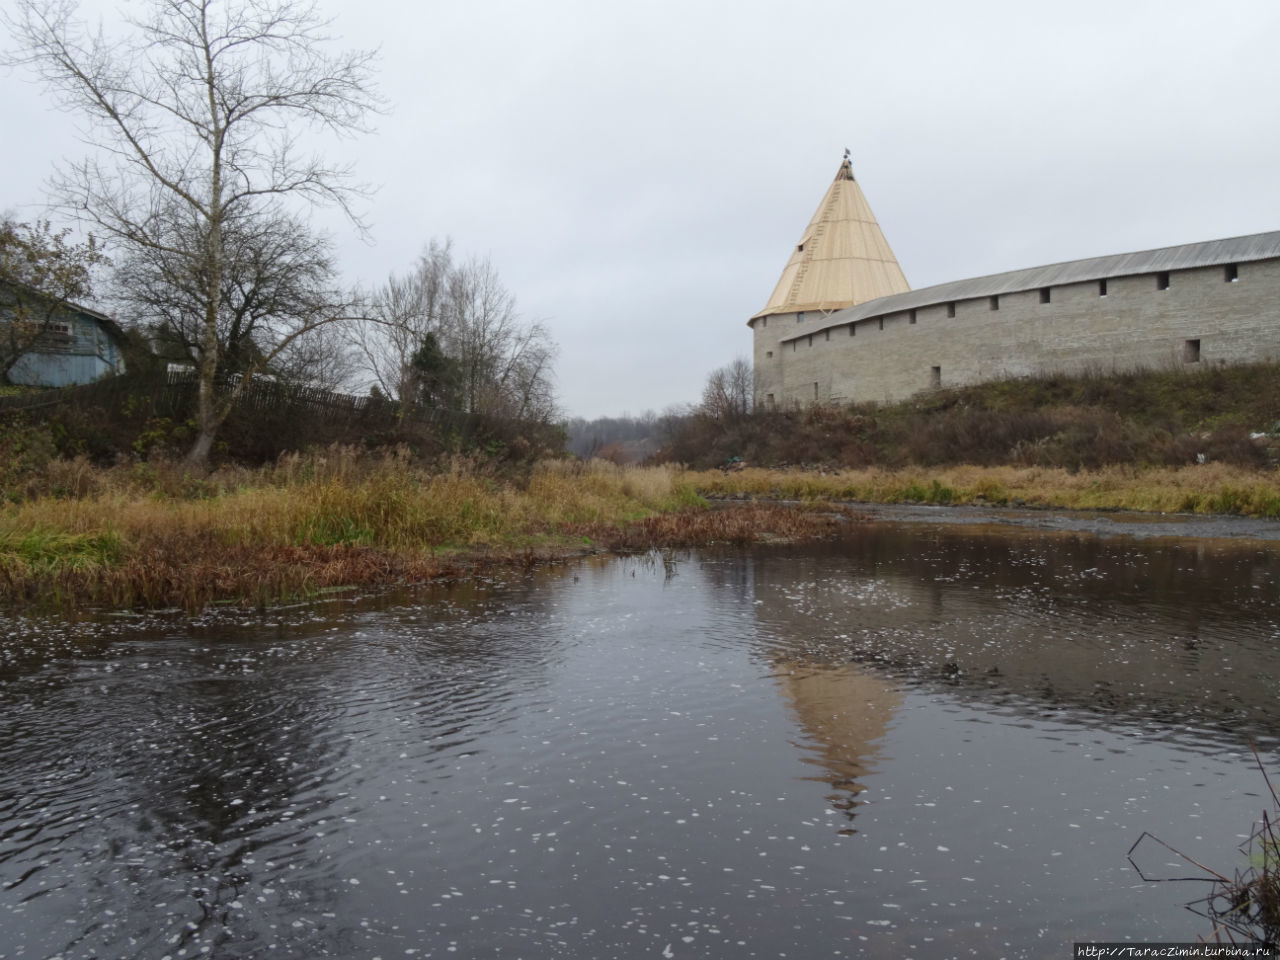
74, 345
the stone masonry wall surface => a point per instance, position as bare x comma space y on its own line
1135, 325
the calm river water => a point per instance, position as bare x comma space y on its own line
921, 741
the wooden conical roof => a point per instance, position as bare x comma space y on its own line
843, 258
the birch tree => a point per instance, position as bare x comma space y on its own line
504, 362
198, 110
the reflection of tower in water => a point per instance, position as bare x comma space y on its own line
1167, 634
843, 712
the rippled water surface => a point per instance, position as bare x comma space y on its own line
917, 742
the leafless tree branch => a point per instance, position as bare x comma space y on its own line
196, 109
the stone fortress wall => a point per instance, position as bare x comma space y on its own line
1184, 307
1224, 313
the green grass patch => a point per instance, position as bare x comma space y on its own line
334, 531
52, 551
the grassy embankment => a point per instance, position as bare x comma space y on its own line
144, 534
148, 536
1163, 440
1162, 418
1209, 489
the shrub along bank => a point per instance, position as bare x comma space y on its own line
1141, 419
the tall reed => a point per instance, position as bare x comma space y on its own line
131, 535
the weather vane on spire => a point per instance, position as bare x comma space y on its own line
846, 166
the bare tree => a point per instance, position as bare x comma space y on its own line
727, 395
452, 330
673, 420
278, 301
401, 314
504, 362
41, 275
198, 109
322, 357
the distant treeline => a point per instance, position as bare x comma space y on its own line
624, 439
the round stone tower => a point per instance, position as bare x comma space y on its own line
842, 259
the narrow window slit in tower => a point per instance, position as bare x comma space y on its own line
1102, 288
1162, 280
1044, 294
1231, 273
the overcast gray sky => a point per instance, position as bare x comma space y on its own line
639, 172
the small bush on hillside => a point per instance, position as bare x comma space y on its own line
1163, 418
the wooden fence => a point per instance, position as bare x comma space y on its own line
267, 418
174, 395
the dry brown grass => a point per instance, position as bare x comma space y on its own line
1209, 488
738, 524
150, 535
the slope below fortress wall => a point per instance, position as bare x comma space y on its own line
1187, 319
